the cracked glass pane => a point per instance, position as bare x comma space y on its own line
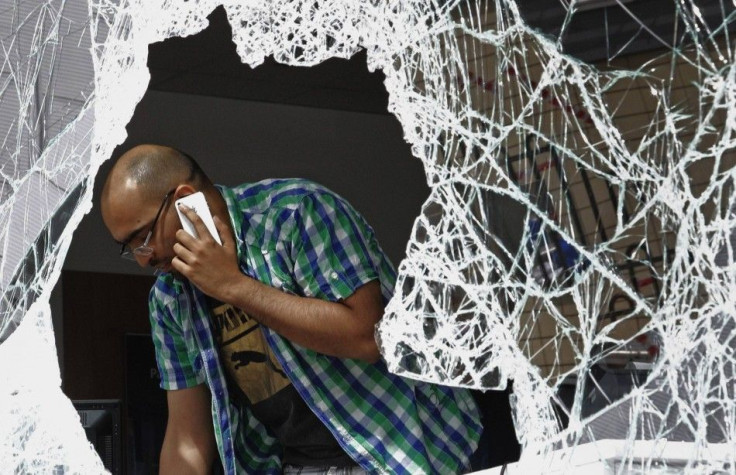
577, 240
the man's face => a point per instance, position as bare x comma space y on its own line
129, 217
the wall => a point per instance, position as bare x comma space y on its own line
363, 157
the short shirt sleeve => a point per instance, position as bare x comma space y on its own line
333, 249
178, 362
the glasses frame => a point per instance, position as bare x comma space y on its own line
143, 249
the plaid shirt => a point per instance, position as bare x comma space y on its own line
305, 240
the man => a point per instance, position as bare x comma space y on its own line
265, 343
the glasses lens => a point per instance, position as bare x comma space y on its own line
142, 251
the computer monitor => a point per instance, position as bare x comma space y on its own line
101, 420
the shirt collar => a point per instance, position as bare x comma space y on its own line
236, 216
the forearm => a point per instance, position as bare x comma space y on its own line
180, 455
189, 443
332, 328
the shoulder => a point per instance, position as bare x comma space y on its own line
280, 193
165, 292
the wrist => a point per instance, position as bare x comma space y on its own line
234, 289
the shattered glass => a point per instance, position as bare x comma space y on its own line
578, 239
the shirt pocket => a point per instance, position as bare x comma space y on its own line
270, 265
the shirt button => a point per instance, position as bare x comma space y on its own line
264, 251
308, 293
333, 276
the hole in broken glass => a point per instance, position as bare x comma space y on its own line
653, 146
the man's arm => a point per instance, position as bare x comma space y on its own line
344, 329
189, 444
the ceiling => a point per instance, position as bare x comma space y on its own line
603, 29
207, 63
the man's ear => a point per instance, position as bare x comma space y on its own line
183, 190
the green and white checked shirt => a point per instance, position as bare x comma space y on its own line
300, 237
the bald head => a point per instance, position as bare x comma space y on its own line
142, 176
151, 170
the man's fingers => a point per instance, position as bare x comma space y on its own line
182, 252
180, 266
222, 230
185, 238
202, 230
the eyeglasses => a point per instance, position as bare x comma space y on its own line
143, 250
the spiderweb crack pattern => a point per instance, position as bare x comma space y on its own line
580, 225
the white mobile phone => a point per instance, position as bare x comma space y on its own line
197, 202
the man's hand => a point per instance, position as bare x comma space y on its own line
343, 329
205, 263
